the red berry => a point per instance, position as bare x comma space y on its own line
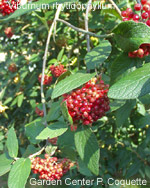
12, 68
143, 2
146, 8
148, 22
57, 70
124, 14
8, 32
137, 7
126, 19
85, 102
145, 15
136, 17
140, 52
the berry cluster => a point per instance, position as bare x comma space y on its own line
57, 70
12, 68
50, 168
47, 79
143, 51
142, 16
8, 32
53, 140
39, 112
89, 103
7, 7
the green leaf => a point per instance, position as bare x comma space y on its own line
20, 100
88, 149
12, 143
122, 66
130, 35
147, 171
19, 173
134, 85
134, 168
98, 55
43, 20
60, 55
71, 82
83, 169
54, 112
65, 112
116, 104
143, 121
30, 150
33, 6
33, 129
50, 150
2, 93
53, 130
5, 164
123, 113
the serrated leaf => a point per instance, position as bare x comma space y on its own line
52, 131
19, 173
5, 164
133, 85
122, 66
65, 112
88, 149
98, 55
129, 35
33, 129
12, 143
20, 100
71, 82
32, 6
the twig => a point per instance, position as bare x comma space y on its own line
83, 31
138, 156
115, 6
37, 153
87, 25
45, 59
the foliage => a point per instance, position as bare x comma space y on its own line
115, 146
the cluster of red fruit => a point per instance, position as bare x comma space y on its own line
53, 140
39, 112
143, 51
47, 79
50, 168
7, 7
57, 70
89, 103
144, 9
8, 32
12, 68
143, 16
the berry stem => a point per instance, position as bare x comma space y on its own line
115, 6
45, 59
87, 25
84, 31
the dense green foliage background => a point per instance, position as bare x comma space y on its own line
122, 136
